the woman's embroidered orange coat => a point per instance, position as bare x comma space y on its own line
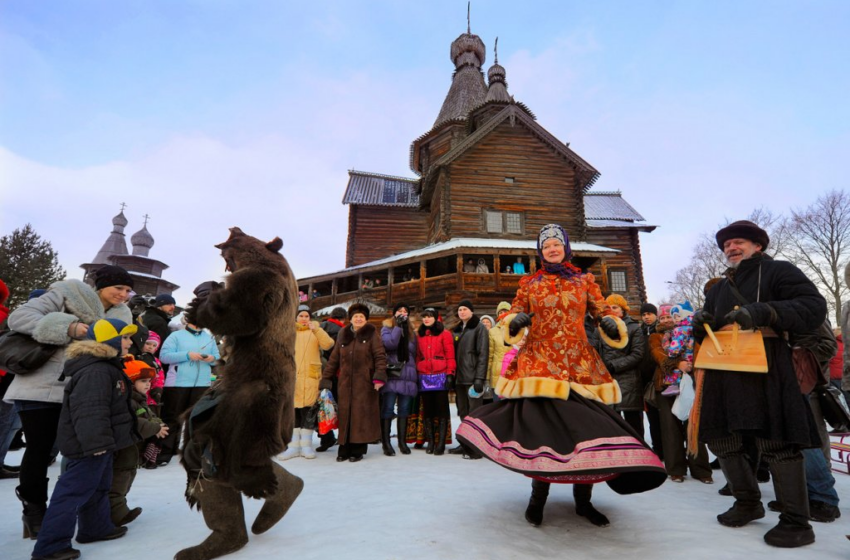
557, 357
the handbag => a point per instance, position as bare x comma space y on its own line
833, 407
22, 354
432, 381
807, 369
650, 395
394, 370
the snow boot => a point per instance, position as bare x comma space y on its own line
793, 529
328, 440
385, 437
307, 450
289, 487
823, 512
745, 489
581, 495
442, 434
221, 506
293, 450
539, 493
32, 517
66, 554
430, 436
670, 391
401, 424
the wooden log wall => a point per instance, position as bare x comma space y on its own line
626, 260
543, 190
377, 232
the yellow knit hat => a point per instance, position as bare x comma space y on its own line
618, 300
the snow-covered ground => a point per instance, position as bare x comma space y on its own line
421, 506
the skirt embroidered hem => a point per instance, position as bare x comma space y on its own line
575, 441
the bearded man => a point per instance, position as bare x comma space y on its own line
778, 299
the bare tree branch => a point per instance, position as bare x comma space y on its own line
820, 244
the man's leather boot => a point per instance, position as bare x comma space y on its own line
745, 489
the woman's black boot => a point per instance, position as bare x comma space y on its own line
32, 517
401, 424
534, 511
385, 437
440, 439
581, 494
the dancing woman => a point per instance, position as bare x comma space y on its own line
554, 422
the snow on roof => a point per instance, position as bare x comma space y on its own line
617, 224
473, 243
144, 274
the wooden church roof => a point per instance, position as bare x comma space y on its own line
374, 189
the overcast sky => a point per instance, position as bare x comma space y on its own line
214, 113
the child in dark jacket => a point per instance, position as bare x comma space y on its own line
126, 461
96, 420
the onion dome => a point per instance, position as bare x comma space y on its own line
468, 89
468, 49
142, 242
115, 244
119, 222
498, 86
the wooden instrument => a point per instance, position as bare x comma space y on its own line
733, 350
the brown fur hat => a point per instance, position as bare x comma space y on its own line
358, 308
743, 229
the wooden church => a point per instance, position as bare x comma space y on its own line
489, 177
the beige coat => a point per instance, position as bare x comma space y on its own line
497, 352
308, 362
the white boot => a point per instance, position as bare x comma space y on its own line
307, 450
294, 448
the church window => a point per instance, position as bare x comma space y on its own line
514, 222
617, 280
494, 221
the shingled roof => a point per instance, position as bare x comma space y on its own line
606, 209
373, 189
609, 206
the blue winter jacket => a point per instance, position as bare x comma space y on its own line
184, 372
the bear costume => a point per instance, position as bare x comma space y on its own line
246, 417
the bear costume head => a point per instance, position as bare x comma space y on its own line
241, 250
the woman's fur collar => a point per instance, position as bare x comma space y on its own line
435, 329
347, 334
473, 322
81, 348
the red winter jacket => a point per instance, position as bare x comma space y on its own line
836, 364
435, 350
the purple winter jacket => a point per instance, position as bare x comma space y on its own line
408, 383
